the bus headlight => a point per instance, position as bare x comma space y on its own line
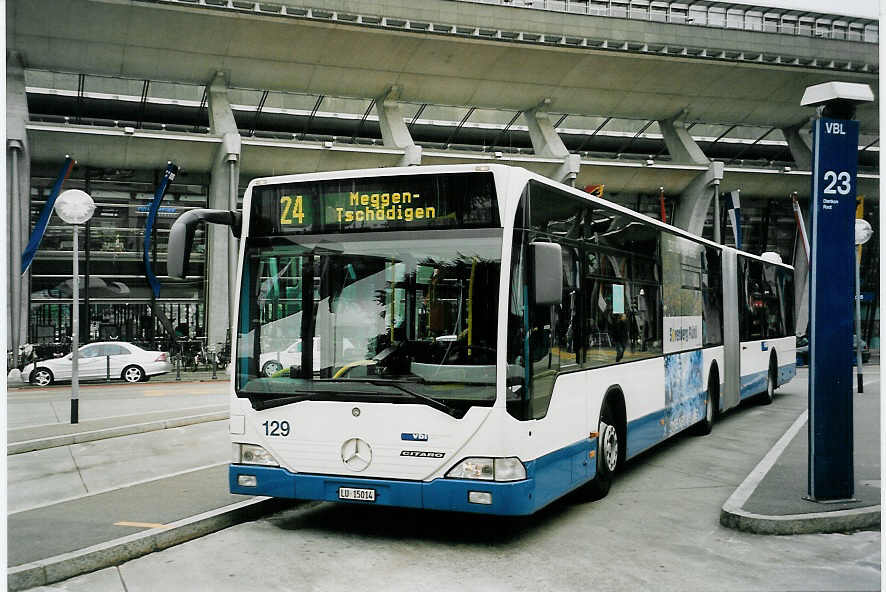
489, 469
250, 454
509, 469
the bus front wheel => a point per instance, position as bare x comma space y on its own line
608, 453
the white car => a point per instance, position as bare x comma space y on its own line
272, 362
127, 361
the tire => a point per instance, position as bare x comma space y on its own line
609, 453
42, 377
133, 374
712, 403
270, 367
771, 383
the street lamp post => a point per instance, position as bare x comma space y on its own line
863, 233
75, 207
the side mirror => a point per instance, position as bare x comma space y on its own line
181, 236
547, 266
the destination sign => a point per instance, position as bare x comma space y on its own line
378, 203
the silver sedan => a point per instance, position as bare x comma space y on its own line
125, 361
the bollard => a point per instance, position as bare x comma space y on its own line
214, 366
178, 366
108, 367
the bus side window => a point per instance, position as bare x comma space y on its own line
712, 290
567, 325
608, 318
774, 317
785, 285
751, 305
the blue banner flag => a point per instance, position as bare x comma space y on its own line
168, 177
45, 215
735, 216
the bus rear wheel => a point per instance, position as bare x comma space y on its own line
608, 454
771, 382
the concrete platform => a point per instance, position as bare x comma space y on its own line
771, 500
29, 439
79, 507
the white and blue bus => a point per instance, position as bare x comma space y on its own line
482, 339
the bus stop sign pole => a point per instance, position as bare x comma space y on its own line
831, 297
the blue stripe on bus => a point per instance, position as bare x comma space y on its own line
548, 478
645, 432
649, 430
754, 384
787, 372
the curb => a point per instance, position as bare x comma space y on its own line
117, 551
125, 430
837, 521
732, 514
23, 386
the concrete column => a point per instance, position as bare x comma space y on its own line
800, 145
18, 203
692, 209
548, 144
680, 144
394, 132
696, 199
221, 269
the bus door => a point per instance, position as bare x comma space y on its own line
731, 375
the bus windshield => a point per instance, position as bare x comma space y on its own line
399, 315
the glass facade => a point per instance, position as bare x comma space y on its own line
115, 297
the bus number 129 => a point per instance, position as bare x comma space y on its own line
276, 428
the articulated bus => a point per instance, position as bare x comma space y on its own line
477, 338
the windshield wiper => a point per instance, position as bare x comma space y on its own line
429, 400
435, 403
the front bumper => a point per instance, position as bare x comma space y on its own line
513, 498
547, 478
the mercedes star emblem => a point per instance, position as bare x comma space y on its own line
356, 453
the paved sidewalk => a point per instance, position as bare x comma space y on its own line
145, 491
13, 379
31, 438
771, 499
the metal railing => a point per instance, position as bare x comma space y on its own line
715, 15
705, 13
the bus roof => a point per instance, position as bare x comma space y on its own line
501, 169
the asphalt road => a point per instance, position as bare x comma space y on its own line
657, 530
